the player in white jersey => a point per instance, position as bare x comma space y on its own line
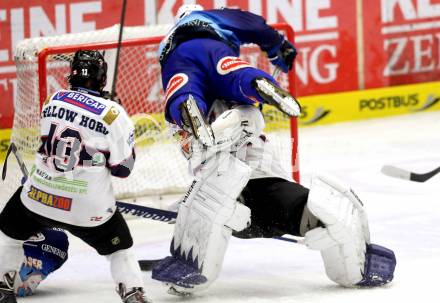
86, 139
229, 156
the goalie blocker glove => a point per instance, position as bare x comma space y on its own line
283, 55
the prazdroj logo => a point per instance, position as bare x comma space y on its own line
310, 118
430, 102
230, 64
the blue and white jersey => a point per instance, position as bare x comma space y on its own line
232, 26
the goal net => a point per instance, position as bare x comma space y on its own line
42, 68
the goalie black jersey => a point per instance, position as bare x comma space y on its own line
85, 139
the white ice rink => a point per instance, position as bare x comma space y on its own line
404, 216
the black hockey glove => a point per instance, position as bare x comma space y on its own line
283, 56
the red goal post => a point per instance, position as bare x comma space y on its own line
138, 86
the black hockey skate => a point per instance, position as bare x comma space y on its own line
7, 294
277, 97
133, 295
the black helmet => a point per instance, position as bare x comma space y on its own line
88, 69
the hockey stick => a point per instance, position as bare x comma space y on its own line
163, 215
118, 49
5, 163
13, 148
146, 212
397, 172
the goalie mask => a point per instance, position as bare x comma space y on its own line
88, 69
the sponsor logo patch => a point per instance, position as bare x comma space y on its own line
54, 250
50, 200
175, 83
116, 241
80, 100
111, 115
230, 64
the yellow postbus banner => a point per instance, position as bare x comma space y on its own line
372, 103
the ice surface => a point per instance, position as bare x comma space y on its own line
404, 216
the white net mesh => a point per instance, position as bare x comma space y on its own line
160, 168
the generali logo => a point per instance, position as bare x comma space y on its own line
230, 64
175, 83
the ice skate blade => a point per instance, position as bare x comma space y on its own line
283, 101
173, 291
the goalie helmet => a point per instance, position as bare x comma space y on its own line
186, 9
88, 69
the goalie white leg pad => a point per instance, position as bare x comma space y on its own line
207, 215
343, 241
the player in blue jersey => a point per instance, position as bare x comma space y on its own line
210, 93
199, 57
44, 253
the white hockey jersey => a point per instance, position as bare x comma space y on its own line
85, 140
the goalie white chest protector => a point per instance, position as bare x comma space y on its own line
83, 138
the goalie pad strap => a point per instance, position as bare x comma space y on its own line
308, 221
